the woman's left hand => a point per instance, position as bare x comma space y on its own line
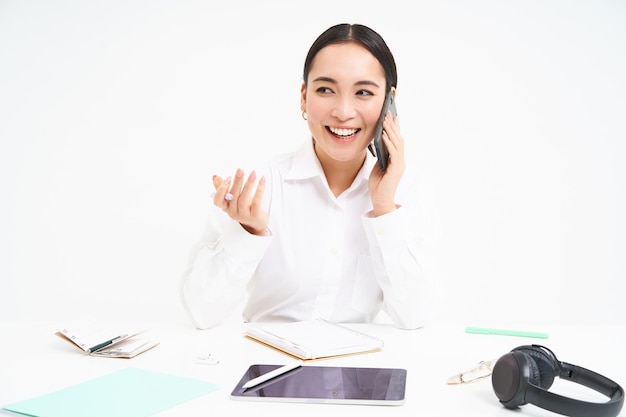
383, 184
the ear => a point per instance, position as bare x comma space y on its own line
393, 91
303, 97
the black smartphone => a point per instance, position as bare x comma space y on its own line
381, 150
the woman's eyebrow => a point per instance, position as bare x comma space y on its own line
325, 79
358, 83
367, 82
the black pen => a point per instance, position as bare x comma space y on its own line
105, 344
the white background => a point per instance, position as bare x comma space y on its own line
114, 115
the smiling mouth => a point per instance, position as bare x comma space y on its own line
343, 133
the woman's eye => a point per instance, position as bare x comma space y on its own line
324, 90
364, 93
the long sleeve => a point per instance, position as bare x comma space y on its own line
405, 255
220, 265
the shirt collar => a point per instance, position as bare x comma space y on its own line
306, 165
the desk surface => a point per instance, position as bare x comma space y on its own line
33, 362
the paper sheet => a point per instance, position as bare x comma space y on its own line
130, 392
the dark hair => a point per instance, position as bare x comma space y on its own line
362, 35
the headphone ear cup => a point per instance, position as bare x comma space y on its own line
510, 377
546, 366
534, 372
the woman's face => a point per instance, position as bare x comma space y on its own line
343, 99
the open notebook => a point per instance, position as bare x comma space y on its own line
314, 339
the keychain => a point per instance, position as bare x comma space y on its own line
481, 371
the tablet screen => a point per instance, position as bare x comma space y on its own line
326, 384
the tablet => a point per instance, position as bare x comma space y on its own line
326, 384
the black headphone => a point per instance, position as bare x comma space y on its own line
525, 374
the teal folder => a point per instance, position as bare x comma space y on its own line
130, 392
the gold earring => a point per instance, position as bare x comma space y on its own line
304, 115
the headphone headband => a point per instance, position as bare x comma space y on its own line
525, 374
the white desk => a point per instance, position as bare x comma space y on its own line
33, 362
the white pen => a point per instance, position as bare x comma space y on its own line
272, 374
227, 196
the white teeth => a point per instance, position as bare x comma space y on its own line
343, 132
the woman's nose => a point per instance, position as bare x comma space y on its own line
343, 109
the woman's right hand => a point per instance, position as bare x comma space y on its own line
239, 201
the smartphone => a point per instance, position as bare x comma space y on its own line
381, 150
326, 384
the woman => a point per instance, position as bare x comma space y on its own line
324, 233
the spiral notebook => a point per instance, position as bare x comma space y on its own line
314, 339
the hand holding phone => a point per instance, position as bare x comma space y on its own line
381, 150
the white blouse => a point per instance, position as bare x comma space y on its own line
325, 256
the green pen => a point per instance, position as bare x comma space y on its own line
504, 332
